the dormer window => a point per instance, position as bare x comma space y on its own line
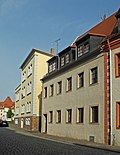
73, 55
67, 58
82, 49
52, 67
62, 61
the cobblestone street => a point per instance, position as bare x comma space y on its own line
18, 143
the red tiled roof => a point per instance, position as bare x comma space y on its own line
104, 28
7, 103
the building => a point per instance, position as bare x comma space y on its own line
80, 92
28, 93
4, 107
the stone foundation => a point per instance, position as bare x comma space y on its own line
29, 123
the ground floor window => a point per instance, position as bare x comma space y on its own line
118, 115
27, 121
94, 114
80, 115
16, 121
69, 116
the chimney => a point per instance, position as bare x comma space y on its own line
52, 51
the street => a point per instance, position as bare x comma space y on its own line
16, 143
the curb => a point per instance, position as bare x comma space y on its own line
68, 141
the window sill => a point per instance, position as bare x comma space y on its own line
92, 123
117, 76
80, 87
58, 122
79, 123
68, 122
93, 84
67, 91
29, 75
28, 93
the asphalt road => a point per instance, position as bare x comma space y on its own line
16, 143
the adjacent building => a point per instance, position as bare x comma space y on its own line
28, 93
81, 96
6, 105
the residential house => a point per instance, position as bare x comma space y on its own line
80, 92
28, 93
6, 105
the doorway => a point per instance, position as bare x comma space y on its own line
45, 123
22, 122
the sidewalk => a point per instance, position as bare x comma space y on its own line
67, 140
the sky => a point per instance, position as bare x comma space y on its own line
28, 24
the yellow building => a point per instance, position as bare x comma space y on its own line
28, 93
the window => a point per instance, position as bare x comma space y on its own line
94, 114
29, 87
94, 75
50, 68
86, 47
67, 58
69, 116
117, 65
62, 61
73, 55
22, 109
59, 87
54, 66
51, 90
45, 92
23, 76
50, 116
118, 115
80, 51
30, 70
81, 80
80, 115
28, 108
59, 116
69, 84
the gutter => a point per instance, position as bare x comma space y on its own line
111, 99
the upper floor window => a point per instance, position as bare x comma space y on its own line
45, 92
69, 84
73, 55
51, 90
62, 61
23, 76
23, 93
28, 108
82, 49
30, 70
59, 87
80, 80
80, 115
52, 67
29, 88
67, 58
94, 75
117, 65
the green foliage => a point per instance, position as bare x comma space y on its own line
10, 114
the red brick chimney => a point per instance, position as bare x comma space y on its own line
52, 51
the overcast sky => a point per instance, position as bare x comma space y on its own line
27, 24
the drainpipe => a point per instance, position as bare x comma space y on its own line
110, 69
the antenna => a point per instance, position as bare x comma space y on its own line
57, 43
